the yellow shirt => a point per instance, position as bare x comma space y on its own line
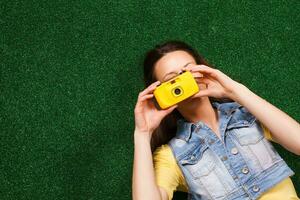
169, 176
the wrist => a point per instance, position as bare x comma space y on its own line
142, 135
239, 92
236, 91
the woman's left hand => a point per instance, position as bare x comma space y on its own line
218, 84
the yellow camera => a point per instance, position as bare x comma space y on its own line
175, 90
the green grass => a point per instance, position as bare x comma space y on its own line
71, 72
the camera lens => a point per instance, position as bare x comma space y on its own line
177, 91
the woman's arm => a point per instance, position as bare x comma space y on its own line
143, 179
285, 130
147, 118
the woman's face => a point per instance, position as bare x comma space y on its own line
170, 65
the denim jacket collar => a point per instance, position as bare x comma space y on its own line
185, 128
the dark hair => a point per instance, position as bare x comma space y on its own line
168, 126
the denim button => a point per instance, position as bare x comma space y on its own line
234, 150
255, 188
211, 142
184, 161
192, 157
224, 158
245, 170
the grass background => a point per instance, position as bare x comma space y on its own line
71, 72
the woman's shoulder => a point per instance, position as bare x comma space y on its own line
166, 169
163, 156
163, 150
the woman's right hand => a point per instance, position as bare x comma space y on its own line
147, 116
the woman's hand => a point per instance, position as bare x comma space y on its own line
147, 116
218, 84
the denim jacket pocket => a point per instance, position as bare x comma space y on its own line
252, 144
199, 162
205, 169
249, 134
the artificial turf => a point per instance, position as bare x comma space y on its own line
71, 72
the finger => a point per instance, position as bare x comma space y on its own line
204, 69
197, 74
188, 67
202, 93
201, 66
203, 80
147, 96
139, 104
149, 89
169, 110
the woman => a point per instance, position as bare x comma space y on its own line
212, 145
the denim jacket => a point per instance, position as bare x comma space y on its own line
242, 165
